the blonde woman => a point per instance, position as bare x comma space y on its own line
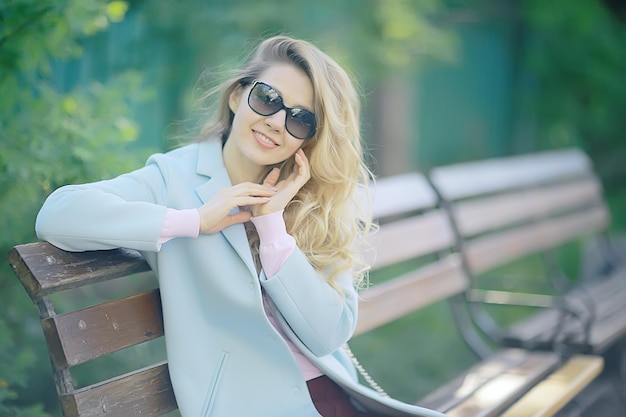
253, 233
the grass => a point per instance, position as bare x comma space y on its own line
412, 355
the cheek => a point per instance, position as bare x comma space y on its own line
292, 145
241, 119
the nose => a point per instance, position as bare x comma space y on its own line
276, 121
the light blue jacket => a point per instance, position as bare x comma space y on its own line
225, 357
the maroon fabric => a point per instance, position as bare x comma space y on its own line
331, 401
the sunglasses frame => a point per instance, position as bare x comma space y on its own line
288, 110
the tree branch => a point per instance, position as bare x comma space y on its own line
35, 17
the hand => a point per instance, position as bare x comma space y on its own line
215, 213
286, 189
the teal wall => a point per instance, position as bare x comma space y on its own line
465, 110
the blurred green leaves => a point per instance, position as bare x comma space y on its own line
409, 30
52, 137
49, 138
576, 52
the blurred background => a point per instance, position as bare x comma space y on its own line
90, 88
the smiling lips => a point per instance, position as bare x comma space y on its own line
264, 141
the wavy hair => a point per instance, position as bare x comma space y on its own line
330, 216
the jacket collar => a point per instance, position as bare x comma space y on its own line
211, 164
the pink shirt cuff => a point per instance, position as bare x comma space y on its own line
180, 223
276, 245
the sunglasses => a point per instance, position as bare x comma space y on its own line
265, 100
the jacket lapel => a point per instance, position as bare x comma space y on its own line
211, 164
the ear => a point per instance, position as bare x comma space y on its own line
233, 99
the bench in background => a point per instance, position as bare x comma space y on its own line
412, 226
508, 382
507, 209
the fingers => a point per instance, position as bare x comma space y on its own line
272, 178
251, 189
302, 156
215, 214
302, 162
239, 217
249, 201
272, 195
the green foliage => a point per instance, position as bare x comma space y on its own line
48, 138
18, 353
575, 53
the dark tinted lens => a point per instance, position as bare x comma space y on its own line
300, 123
264, 100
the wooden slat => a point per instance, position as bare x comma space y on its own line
44, 269
608, 297
490, 251
401, 194
409, 238
504, 389
489, 213
609, 323
80, 336
495, 396
456, 391
493, 384
464, 180
552, 394
607, 332
147, 393
393, 299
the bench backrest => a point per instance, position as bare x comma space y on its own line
86, 334
412, 226
510, 207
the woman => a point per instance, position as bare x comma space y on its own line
253, 233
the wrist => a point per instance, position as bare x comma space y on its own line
270, 227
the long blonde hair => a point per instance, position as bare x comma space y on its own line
328, 217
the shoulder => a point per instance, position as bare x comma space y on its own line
202, 158
177, 163
184, 154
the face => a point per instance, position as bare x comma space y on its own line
257, 140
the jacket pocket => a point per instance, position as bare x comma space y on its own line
209, 400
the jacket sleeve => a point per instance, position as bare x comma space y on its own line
322, 318
126, 211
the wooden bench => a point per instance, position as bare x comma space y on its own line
508, 382
509, 209
412, 227
88, 333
